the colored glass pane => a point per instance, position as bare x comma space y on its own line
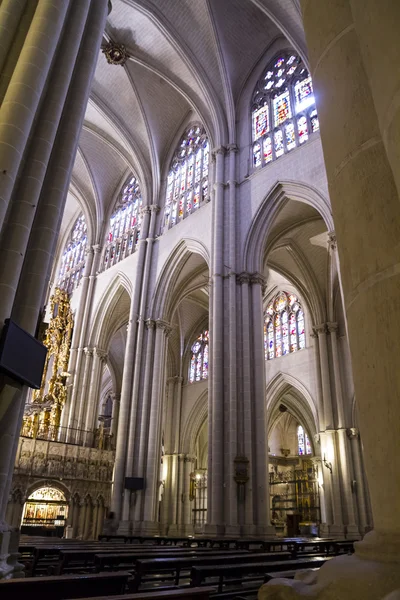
198, 368
308, 445
189, 168
73, 258
314, 121
283, 326
303, 92
267, 149
256, 155
278, 138
300, 440
260, 122
285, 333
302, 129
290, 136
282, 109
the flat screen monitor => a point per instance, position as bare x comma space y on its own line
22, 356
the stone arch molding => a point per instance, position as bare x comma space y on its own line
297, 399
161, 305
194, 422
267, 212
109, 300
48, 483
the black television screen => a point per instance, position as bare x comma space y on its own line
22, 356
134, 483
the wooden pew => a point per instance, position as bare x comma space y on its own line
64, 586
236, 572
159, 566
116, 561
202, 593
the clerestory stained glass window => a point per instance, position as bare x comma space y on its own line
283, 326
198, 368
303, 442
124, 227
73, 258
283, 109
187, 185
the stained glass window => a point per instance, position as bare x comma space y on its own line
303, 442
73, 258
187, 183
124, 226
198, 368
283, 109
283, 326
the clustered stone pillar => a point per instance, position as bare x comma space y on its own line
49, 53
352, 45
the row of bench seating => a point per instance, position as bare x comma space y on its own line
234, 573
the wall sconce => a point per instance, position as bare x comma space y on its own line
327, 464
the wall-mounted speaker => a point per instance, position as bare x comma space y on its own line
134, 483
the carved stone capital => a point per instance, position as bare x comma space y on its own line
150, 324
320, 329
145, 210
332, 327
97, 248
317, 438
353, 433
164, 326
219, 150
243, 278
232, 148
257, 279
101, 354
115, 54
154, 208
332, 243
88, 351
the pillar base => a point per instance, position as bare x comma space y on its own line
124, 528
352, 532
332, 531
150, 528
10, 568
232, 531
258, 531
373, 572
211, 530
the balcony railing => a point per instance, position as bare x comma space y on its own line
100, 438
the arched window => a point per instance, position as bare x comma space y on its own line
187, 185
303, 442
283, 326
125, 221
106, 415
73, 259
198, 369
283, 109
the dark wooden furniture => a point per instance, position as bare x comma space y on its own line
61, 587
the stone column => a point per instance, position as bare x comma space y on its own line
348, 488
321, 331
85, 390
153, 463
359, 484
317, 362
216, 469
92, 411
366, 210
259, 457
333, 328
245, 418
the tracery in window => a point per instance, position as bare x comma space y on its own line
303, 442
198, 369
283, 109
124, 228
73, 258
283, 326
187, 185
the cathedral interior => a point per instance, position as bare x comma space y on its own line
199, 228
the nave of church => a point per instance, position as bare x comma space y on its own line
199, 225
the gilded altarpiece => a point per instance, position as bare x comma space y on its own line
43, 414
